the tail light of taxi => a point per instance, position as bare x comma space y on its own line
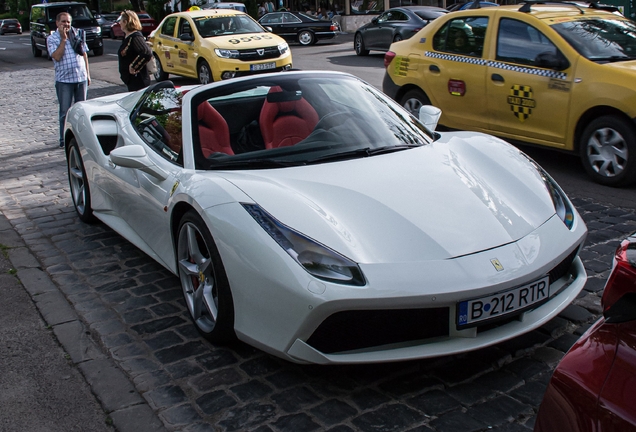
388, 58
619, 296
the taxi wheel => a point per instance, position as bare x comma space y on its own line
608, 151
160, 74
358, 44
306, 37
204, 72
413, 100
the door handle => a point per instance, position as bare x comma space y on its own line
176, 46
158, 43
433, 68
497, 78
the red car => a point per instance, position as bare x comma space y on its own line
593, 389
10, 26
148, 24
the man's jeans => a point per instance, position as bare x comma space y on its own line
67, 93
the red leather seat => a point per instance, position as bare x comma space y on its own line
286, 123
214, 134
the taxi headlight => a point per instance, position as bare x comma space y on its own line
97, 30
226, 53
317, 259
283, 48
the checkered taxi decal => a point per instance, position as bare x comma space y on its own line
521, 102
499, 65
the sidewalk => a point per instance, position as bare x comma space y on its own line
53, 376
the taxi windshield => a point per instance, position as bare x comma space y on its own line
212, 26
300, 119
600, 39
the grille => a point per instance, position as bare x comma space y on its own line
562, 268
351, 330
252, 54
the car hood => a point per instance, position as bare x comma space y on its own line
243, 40
463, 194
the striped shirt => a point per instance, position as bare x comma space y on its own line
71, 68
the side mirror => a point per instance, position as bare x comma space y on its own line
269, 29
186, 37
429, 116
41, 21
374, 20
550, 60
135, 157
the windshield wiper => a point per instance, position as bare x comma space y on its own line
612, 58
361, 152
251, 163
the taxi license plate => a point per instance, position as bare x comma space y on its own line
472, 312
263, 66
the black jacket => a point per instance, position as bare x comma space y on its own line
134, 51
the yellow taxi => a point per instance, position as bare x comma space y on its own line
555, 75
216, 44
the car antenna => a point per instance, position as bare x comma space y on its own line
475, 5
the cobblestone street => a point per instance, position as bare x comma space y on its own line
132, 308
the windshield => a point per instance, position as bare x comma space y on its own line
299, 119
79, 13
600, 39
211, 26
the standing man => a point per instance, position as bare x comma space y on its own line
71, 66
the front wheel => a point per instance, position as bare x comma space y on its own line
306, 37
36, 52
205, 286
358, 45
413, 100
78, 183
160, 74
608, 151
204, 72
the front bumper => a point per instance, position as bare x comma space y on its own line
280, 307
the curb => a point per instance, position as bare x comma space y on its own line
112, 387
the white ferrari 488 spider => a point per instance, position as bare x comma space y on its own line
311, 216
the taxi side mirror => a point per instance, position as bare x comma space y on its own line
429, 116
551, 60
186, 37
374, 20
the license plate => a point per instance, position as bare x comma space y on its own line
146, 25
504, 303
263, 66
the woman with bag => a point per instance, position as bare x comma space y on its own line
134, 53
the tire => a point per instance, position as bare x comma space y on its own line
159, 75
206, 289
413, 100
358, 45
98, 51
608, 151
397, 38
78, 183
204, 72
306, 38
36, 52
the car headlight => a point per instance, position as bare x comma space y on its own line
98, 30
561, 202
282, 48
226, 53
315, 258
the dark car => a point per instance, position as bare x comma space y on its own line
392, 26
10, 26
43, 18
593, 389
105, 21
148, 24
468, 5
298, 27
